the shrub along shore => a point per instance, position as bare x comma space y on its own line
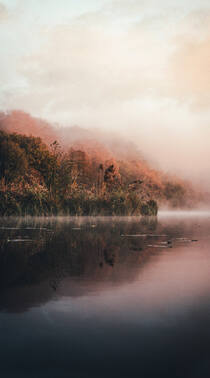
15, 204
37, 179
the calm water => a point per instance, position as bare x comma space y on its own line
105, 297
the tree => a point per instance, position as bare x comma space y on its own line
13, 161
111, 177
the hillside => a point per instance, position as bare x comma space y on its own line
47, 169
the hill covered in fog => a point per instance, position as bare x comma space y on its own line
83, 171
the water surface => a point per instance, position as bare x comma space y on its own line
105, 297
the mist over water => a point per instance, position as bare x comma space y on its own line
121, 85
131, 155
105, 297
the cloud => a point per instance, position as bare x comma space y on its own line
189, 65
91, 62
130, 66
96, 60
191, 73
3, 12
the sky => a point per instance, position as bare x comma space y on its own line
139, 68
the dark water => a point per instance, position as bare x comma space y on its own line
114, 297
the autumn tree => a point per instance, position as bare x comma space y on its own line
13, 162
111, 177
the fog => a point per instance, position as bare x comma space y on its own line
130, 69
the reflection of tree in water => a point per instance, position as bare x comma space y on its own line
94, 250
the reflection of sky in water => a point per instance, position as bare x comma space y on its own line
117, 307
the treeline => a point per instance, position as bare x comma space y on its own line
40, 180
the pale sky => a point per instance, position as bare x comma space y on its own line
138, 68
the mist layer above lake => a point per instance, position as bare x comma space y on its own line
105, 297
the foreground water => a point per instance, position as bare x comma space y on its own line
105, 297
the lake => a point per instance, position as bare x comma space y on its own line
105, 297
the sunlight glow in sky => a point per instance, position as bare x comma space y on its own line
137, 67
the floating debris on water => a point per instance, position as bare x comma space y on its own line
37, 228
156, 246
184, 240
160, 245
157, 236
11, 228
26, 228
142, 235
134, 236
20, 240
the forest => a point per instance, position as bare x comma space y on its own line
38, 178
